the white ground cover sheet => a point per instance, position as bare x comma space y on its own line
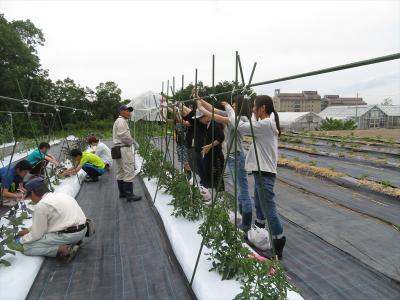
185, 242
16, 280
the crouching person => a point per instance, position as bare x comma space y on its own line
88, 162
58, 225
11, 180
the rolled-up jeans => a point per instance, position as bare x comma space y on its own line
92, 170
264, 199
48, 245
242, 183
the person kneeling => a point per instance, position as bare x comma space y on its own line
88, 162
58, 224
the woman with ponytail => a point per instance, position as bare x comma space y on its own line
266, 130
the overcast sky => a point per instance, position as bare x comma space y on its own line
140, 44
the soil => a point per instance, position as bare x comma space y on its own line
374, 133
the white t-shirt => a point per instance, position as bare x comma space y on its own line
103, 152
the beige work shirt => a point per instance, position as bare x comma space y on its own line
121, 132
54, 212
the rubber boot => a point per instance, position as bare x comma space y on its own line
246, 221
121, 188
279, 244
130, 196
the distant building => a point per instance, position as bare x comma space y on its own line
366, 116
306, 101
336, 100
299, 121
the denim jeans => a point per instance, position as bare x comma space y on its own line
92, 171
264, 200
182, 153
244, 197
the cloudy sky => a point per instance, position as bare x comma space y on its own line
140, 44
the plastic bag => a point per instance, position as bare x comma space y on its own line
259, 237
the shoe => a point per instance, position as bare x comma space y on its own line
72, 252
279, 244
121, 188
246, 221
259, 224
91, 179
130, 196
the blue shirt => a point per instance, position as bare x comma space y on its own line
9, 181
35, 156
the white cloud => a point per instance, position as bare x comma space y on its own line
139, 44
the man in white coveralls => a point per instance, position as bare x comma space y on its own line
125, 165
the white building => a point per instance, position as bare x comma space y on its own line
298, 121
366, 116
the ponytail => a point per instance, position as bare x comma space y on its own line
269, 108
277, 122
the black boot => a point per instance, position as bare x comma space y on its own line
130, 196
246, 221
279, 244
121, 188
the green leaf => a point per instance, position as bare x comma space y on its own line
15, 246
4, 262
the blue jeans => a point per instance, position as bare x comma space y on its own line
244, 199
264, 201
182, 153
92, 171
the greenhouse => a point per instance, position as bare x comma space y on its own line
366, 116
153, 184
299, 121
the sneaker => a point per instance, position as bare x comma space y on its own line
259, 224
72, 252
91, 179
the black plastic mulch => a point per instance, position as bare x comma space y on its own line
128, 258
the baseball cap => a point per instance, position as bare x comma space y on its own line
33, 184
125, 107
36, 185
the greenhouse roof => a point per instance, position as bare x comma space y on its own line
286, 118
343, 112
391, 110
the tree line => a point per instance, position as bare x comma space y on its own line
23, 76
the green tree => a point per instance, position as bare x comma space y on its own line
108, 99
203, 90
18, 57
336, 124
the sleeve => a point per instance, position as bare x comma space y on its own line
39, 225
84, 160
259, 127
6, 181
124, 133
